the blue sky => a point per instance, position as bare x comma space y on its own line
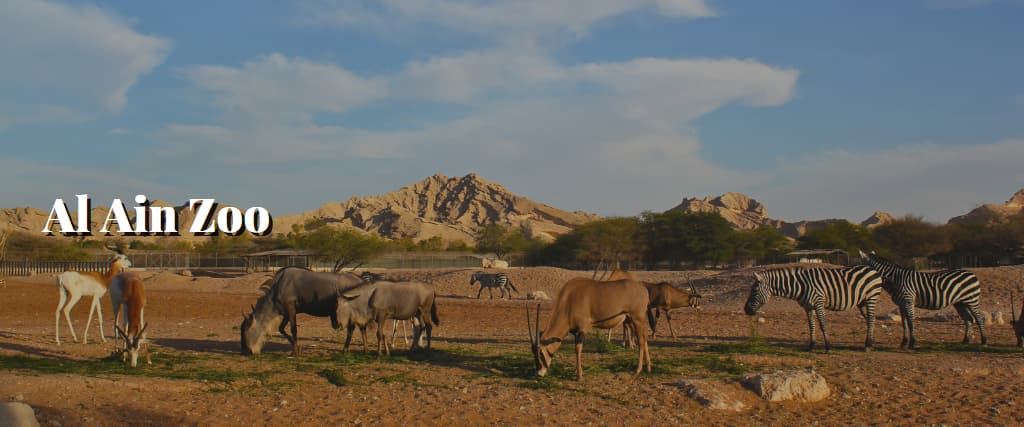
816, 109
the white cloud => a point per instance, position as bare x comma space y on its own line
499, 19
277, 87
935, 181
64, 63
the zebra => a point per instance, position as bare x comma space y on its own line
491, 281
930, 291
818, 289
3, 283
369, 277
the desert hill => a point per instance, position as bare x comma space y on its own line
992, 213
746, 213
449, 207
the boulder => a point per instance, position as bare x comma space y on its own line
986, 318
997, 318
186, 273
711, 394
17, 414
893, 316
538, 295
799, 385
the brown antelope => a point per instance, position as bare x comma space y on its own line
128, 289
73, 285
1017, 321
583, 304
665, 297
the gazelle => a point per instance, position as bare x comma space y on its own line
127, 289
73, 285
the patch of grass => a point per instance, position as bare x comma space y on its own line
598, 343
398, 377
542, 383
211, 335
967, 348
173, 366
752, 346
334, 376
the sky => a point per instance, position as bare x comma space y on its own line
816, 109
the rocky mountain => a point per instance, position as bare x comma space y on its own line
993, 213
449, 207
746, 213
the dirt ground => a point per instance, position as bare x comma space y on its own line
480, 370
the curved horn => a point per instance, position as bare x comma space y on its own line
1013, 314
528, 329
537, 322
141, 331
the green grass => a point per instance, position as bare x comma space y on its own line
173, 366
966, 348
756, 346
398, 377
334, 376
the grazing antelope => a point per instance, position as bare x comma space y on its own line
128, 290
583, 304
665, 297
73, 285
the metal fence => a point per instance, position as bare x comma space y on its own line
26, 268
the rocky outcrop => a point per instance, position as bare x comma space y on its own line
878, 218
993, 213
799, 385
745, 213
17, 414
452, 208
711, 394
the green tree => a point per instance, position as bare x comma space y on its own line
68, 251
340, 247
911, 236
677, 237
501, 240
764, 242
609, 242
839, 235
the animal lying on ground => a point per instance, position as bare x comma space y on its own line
293, 290
127, 289
377, 302
583, 304
73, 285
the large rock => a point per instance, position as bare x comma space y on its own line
538, 296
799, 385
17, 414
711, 394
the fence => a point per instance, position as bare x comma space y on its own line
25, 268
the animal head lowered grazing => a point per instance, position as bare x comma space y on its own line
133, 344
1017, 320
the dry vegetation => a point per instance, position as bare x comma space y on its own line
481, 372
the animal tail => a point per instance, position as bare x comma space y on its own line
433, 312
652, 316
509, 281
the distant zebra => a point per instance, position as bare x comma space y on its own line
3, 283
930, 291
818, 289
370, 277
491, 281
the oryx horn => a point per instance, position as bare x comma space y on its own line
528, 329
537, 324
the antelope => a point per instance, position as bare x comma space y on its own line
73, 285
665, 297
583, 304
127, 289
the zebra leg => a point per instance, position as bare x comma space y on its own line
912, 343
490, 291
820, 312
479, 292
810, 323
867, 309
980, 322
967, 317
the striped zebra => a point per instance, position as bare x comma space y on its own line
3, 283
930, 291
818, 289
369, 277
491, 281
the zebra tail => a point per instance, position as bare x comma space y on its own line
512, 286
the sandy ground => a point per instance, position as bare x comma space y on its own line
480, 369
